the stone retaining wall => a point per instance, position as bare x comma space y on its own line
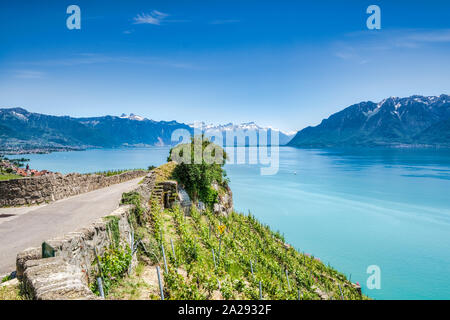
69, 274
53, 187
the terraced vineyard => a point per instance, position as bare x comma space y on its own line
227, 257
205, 255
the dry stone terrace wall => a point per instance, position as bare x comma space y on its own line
53, 187
69, 274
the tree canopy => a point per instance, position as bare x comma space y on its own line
199, 164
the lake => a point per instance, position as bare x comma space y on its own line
351, 208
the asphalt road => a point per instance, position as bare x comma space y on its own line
25, 227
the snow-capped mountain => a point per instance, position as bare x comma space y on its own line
132, 116
416, 120
246, 128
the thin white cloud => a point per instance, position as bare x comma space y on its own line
357, 46
346, 52
434, 36
155, 17
409, 38
28, 74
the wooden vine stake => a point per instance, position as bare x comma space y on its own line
99, 279
221, 231
214, 259
173, 251
260, 291
287, 278
340, 290
100, 287
164, 257
160, 283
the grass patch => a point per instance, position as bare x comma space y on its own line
112, 227
11, 292
6, 278
133, 287
111, 173
165, 172
9, 176
134, 198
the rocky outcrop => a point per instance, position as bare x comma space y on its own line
225, 202
184, 200
53, 187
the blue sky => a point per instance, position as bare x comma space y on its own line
286, 64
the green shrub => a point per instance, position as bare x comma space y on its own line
134, 198
6, 278
114, 265
113, 228
197, 178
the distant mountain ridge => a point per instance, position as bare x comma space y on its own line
246, 128
415, 120
20, 129
411, 121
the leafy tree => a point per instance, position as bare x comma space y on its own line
199, 164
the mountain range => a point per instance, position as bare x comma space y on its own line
20, 129
412, 121
247, 128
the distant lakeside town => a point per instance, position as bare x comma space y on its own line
16, 168
19, 150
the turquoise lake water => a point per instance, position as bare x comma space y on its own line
350, 208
